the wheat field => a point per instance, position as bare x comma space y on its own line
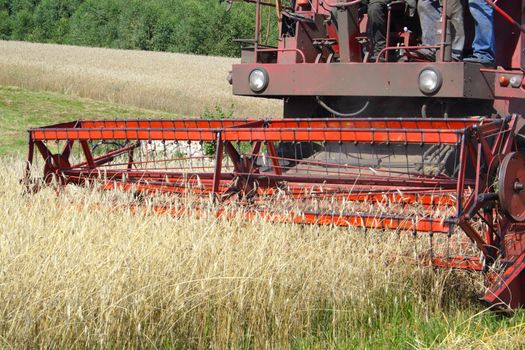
77, 270
182, 84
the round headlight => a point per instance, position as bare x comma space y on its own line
430, 81
258, 80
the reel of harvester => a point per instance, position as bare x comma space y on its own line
460, 181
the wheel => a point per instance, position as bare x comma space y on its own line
511, 186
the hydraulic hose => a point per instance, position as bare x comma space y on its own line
339, 114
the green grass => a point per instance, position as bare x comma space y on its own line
410, 328
21, 109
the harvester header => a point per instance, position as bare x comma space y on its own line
390, 141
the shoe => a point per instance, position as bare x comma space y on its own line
479, 60
457, 55
426, 54
456, 58
403, 58
373, 59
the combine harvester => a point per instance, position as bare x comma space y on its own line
429, 148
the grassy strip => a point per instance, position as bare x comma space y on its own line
405, 326
21, 109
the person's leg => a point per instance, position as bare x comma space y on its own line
455, 15
484, 44
377, 12
429, 14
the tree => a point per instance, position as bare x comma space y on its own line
51, 19
5, 24
22, 25
137, 25
95, 23
163, 37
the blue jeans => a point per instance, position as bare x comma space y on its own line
484, 44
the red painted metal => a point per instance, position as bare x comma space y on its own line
458, 262
509, 289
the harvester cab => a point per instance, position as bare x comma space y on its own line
384, 141
322, 64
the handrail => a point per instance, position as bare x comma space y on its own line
505, 15
500, 71
407, 48
299, 51
341, 4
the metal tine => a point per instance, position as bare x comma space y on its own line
328, 158
340, 157
415, 238
359, 155
294, 145
301, 150
373, 146
388, 156
447, 151
190, 155
141, 156
456, 159
406, 155
58, 144
177, 154
423, 168
154, 155
165, 152
391, 153
422, 145
201, 153
431, 245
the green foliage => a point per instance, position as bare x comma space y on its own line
51, 19
137, 25
21, 25
191, 26
217, 113
94, 24
5, 28
16, 6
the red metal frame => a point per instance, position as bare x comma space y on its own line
466, 197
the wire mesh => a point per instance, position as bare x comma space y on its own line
388, 174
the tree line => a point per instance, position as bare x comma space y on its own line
190, 26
